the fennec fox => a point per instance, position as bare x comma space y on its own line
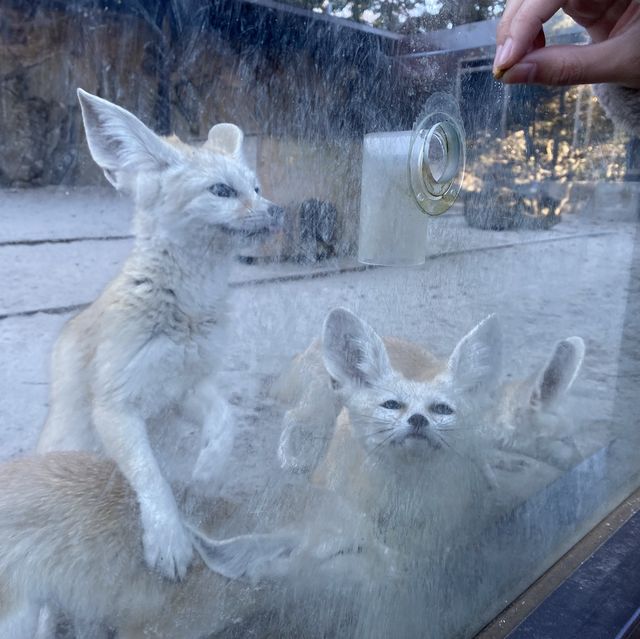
400, 447
309, 391
70, 534
412, 445
316, 397
133, 375
525, 417
528, 417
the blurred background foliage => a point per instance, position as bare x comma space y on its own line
406, 16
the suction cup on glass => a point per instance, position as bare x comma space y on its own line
437, 155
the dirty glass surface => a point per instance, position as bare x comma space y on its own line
429, 477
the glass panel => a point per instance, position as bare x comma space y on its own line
416, 460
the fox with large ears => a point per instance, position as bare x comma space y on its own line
398, 426
133, 375
529, 417
351, 364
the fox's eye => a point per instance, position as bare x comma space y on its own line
223, 190
391, 404
257, 189
441, 409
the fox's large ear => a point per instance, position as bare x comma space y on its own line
119, 143
476, 361
557, 377
226, 139
353, 352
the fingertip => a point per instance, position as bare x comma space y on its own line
564, 65
497, 71
504, 53
526, 29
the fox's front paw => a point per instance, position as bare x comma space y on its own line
167, 544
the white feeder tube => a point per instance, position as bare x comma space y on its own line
393, 230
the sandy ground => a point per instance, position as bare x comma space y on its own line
58, 249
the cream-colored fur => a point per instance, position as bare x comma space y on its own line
406, 426
429, 482
529, 417
70, 535
133, 375
307, 389
523, 417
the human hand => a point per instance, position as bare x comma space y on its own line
613, 55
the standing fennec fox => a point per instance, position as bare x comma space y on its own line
133, 375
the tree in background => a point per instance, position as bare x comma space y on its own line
406, 16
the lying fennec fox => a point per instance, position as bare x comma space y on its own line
399, 402
528, 415
70, 534
133, 374
522, 416
400, 447
398, 392
411, 449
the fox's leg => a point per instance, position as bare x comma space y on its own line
211, 409
68, 427
166, 542
308, 427
68, 424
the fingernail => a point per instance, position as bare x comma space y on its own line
503, 53
522, 73
496, 70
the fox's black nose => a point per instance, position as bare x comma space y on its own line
418, 422
276, 213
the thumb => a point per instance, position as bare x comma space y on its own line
573, 64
